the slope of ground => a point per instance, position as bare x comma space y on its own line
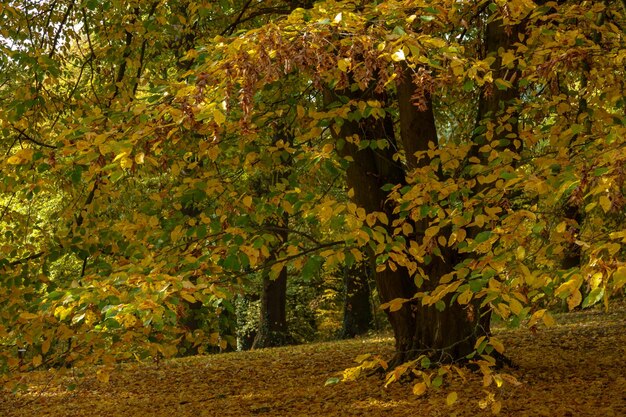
577, 369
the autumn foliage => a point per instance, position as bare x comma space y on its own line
163, 158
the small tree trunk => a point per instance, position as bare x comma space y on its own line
357, 311
273, 330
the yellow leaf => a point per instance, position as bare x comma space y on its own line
396, 304
126, 163
548, 320
120, 156
407, 229
563, 107
188, 297
460, 235
605, 203
574, 299
419, 388
37, 360
537, 315
561, 227
176, 234
382, 217
276, 269
497, 345
619, 277
510, 379
465, 297
520, 253
362, 358
153, 221
479, 341
139, 158
515, 306
22, 156
451, 398
45, 346
219, 117
14, 160
393, 305
343, 64
286, 205
247, 201
103, 376
507, 58
28, 316
213, 153
431, 231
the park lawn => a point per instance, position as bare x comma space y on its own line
576, 368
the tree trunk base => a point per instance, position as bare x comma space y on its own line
269, 339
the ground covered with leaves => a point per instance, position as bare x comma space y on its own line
577, 368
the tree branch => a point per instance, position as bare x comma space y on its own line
28, 258
230, 29
58, 32
30, 139
266, 10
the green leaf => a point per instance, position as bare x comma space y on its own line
594, 296
483, 236
332, 381
231, 262
311, 268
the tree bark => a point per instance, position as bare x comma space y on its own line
273, 330
448, 334
357, 309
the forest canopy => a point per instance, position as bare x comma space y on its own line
168, 165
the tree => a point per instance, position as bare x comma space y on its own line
445, 210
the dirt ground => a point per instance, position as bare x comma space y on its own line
577, 368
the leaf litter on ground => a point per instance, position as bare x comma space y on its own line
577, 369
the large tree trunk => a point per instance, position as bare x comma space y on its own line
497, 105
446, 335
